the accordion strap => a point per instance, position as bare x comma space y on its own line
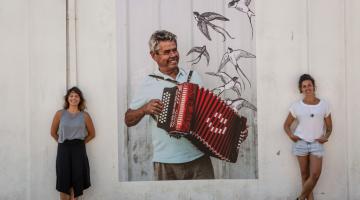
190, 74
171, 80
164, 79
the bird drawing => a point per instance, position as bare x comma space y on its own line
237, 104
204, 21
233, 56
243, 6
202, 52
229, 83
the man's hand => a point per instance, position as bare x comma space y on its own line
153, 107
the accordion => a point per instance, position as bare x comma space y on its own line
203, 118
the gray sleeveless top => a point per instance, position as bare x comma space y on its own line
72, 126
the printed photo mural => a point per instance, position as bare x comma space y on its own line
216, 39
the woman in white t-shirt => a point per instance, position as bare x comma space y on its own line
310, 134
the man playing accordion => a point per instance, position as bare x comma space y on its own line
174, 158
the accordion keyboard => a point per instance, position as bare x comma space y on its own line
168, 102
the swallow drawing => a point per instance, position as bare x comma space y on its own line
204, 21
229, 83
239, 103
233, 56
243, 6
202, 52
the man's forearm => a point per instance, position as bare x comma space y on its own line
132, 117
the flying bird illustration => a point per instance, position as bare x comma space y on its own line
243, 6
237, 104
230, 83
203, 22
202, 52
233, 56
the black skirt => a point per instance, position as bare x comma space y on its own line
72, 167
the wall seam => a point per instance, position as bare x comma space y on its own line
308, 37
74, 48
127, 47
192, 41
67, 43
159, 14
27, 108
123, 136
346, 103
71, 43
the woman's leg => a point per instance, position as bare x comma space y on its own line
64, 196
305, 171
315, 171
72, 194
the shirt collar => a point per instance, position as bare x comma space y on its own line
181, 74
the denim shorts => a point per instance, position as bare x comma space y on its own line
303, 148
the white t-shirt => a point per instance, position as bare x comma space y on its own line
310, 118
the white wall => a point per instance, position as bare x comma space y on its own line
14, 71
351, 128
98, 78
47, 82
317, 36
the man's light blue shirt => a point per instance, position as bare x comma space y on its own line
166, 149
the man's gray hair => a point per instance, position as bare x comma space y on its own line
158, 36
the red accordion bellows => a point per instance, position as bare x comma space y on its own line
204, 119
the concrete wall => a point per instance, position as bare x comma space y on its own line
317, 36
352, 60
14, 99
32, 84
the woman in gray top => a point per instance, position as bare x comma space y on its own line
72, 128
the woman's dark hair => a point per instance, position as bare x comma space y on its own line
82, 105
305, 77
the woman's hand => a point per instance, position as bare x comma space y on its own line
322, 139
294, 138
